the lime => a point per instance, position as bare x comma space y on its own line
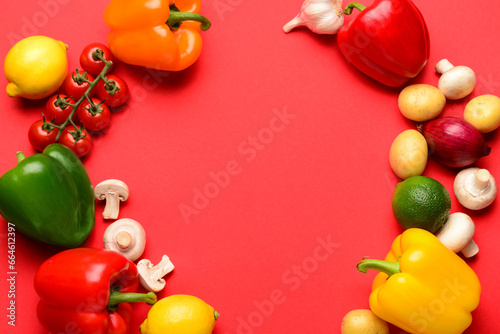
421, 202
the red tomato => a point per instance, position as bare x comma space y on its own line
74, 88
40, 136
82, 146
57, 111
92, 65
94, 116
113, 97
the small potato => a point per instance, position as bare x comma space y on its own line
421, 102
408, 154
483, 112
363, 322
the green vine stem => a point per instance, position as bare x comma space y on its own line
348, 9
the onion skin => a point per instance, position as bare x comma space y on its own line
454, 142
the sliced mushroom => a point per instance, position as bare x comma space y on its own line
475, 188
457, 233
151, 277
113, 191
127, 237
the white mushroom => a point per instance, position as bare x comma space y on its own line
151, 277
475, 188
113, 191
457, 233
456, 82
127, 237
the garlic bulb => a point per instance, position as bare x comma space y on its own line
320, 16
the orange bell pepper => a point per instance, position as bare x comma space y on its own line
156, 34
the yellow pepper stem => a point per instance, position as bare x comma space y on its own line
390, 268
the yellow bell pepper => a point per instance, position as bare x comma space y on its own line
423, 287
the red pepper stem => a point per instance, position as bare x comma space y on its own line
117, 297
20, 156
390, 268
348, 9
176, 18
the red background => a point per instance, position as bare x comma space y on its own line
323, 175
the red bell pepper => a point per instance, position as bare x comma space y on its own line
88, 291
387, 41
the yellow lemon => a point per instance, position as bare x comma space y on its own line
180, 314
35, 67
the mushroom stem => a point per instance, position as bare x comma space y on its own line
471, 249
443, 66
112, 208
123, 239
480, 180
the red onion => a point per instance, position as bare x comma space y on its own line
454, 142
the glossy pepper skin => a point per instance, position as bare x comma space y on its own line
388, 41
424, 287
78, 292
49, 197
147, 33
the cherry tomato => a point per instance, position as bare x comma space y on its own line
93, 65
76, 89
94, 116
57, 111
113, 97
39, 135
82, 146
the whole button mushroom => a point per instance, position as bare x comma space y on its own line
126, 236
456, 234
475, 188
456, 82
113, 191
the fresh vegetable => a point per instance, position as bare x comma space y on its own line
113, 91
483, 112
456, 82
49, 197
475, 188
127, 237
363, 322
457, 233
421, 202
58, 108
113, 191
77, 83
454, 142
155, 34
151, 277
388, 41
180, 314
93, 64
421, 102
40, 135
77, 139
89, 290
408, 154
93, 114
35, 67
418, 277
320, 16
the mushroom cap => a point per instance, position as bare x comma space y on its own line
457, 82
113, 238
469, 194
457, 231
111, 186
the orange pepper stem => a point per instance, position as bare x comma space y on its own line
390, 268
176, 18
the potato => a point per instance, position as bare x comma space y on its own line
483, 112
421, 102
363, 322
408, 154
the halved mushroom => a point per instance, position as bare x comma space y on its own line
151, 277
126, 236
113, 191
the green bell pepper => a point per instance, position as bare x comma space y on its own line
49, 197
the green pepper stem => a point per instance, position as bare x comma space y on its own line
116, 297
348, 9
390, 268
176, 18
20, 156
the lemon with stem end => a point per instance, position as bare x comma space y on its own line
35, 67
180, 314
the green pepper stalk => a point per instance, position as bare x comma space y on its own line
349, 8
177, 17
